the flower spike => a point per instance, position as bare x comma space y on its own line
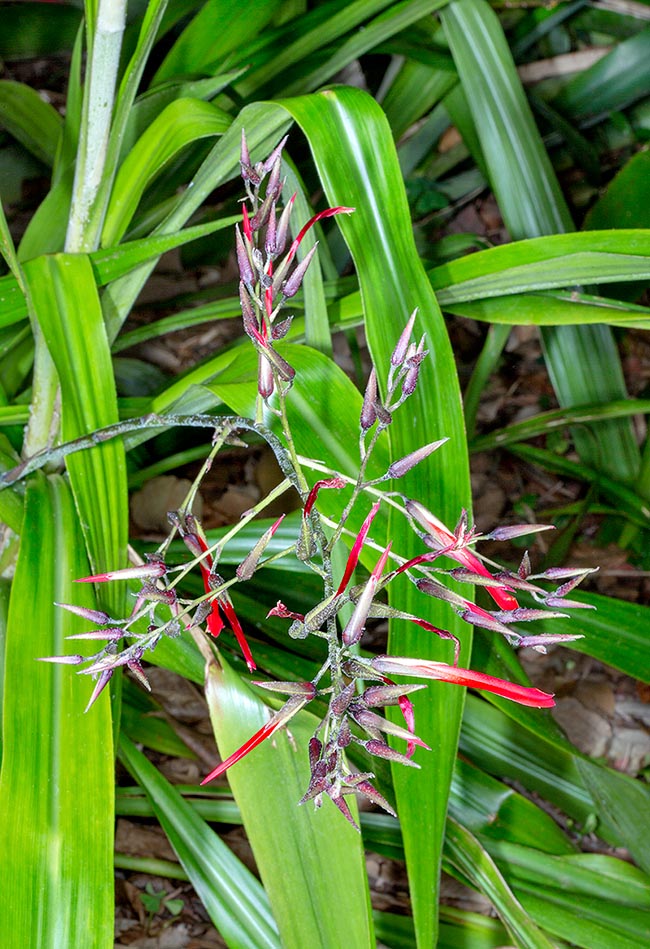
288, 710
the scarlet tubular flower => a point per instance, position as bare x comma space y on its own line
354, 629
215, 621
353, 558
328, 212
313, 494
288, 710
443, 536
427, 669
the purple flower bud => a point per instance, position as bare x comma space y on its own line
441, 592
315, 750
269, 240
565, 573
572, 584
151, 570
383, 414
282, 229
109, 634
138, 671
265, 382
399, 353
274, 156
525, 615
378, 695
101, 684
524, 567
411, 377
63, 660
365, 787
291, 286
344, 736
485, 622
399, 468
340, 702
280, 330
243, 261
381, 750
274, 185
373, 722
245, 158
248, 313
93, 616
343, 807
289, 688
368, 409
567, 604
539, 642
517, 530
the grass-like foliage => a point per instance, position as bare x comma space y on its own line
149, 113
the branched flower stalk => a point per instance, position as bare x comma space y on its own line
355, 688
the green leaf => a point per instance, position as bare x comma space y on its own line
32, 30
357, 163
582, 362
218, 29
544, 263
612, 83
57, 775
555, 420
626, 202
180, 124
67, 307
318, 852
552, 309
398, 17
614, 633
32, 121
626, 500
232, 896
469, 857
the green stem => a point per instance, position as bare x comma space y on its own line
99, 95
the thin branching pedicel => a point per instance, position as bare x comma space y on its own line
354, 688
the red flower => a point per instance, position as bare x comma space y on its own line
215, 620
428, 669
288, 710
442, 538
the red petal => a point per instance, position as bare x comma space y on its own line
353, 558
313, 494
264, 732
500, 595
246, 224
328, 212
235, 625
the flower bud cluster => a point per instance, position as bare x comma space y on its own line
354, 689
157, 590
266, 284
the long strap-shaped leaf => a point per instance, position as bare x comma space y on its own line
582, 361
56, 786
230, 893
311, 862
353, 148
67, 307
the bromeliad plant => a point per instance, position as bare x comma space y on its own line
352, 684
